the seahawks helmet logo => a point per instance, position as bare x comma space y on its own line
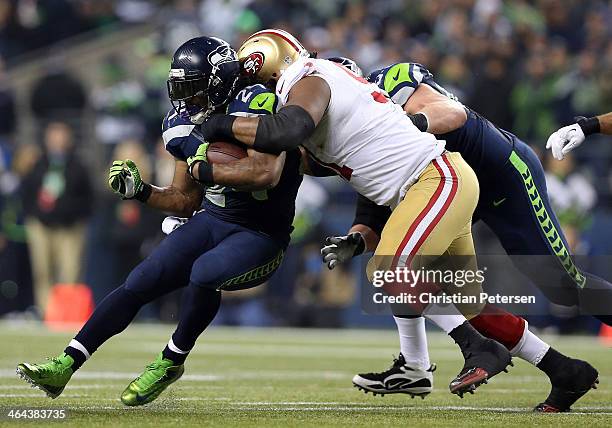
254, 63
222, 55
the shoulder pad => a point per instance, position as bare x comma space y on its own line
253, 100
173, 119
400, 80
301, 68
180, 136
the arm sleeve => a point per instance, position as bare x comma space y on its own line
371, 215
283, 131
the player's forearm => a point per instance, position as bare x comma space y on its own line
370, 237
605, 123
444, 116
370, 220
245, 129
274, 133
172, 200
248, 174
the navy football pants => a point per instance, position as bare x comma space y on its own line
514, 204
205, 255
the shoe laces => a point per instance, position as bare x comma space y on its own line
151, 371
54, 365
398, 361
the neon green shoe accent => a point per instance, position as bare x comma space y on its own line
547, 225
50, 377
157, 376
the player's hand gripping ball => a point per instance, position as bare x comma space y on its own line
200, 156
124, 179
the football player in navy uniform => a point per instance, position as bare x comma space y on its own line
514, 204
236, 241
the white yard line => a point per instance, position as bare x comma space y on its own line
260, 374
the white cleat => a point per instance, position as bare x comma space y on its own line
399, 379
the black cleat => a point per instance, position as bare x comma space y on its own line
575, 378
398, 379
484, 358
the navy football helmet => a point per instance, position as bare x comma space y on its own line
348, 63
203, 77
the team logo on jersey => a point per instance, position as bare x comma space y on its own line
222, 55
254, 63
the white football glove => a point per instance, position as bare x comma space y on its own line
565, 140
171, 223
339, 249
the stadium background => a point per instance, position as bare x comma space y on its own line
100, 67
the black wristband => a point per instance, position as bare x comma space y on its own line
589, 125
219, 128
205, 174
420, 121
145, 193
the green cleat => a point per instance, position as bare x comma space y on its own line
50, 377
157, 376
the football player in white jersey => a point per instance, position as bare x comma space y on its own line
494, 154
350, 126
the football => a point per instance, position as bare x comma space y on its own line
221, 152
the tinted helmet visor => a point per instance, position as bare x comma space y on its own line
183, 89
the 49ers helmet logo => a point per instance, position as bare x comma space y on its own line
253, 63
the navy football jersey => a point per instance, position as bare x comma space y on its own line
268, 211
474, 140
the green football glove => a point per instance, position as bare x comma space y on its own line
124, 179
200, 155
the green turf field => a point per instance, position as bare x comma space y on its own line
286, 377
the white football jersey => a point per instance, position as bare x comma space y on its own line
364, 136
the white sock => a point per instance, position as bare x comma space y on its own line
530, 348
175, 348
79, 347
413, 341
445, 316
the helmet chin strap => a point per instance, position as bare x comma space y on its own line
199, 118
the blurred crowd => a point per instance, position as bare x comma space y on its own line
530, 66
